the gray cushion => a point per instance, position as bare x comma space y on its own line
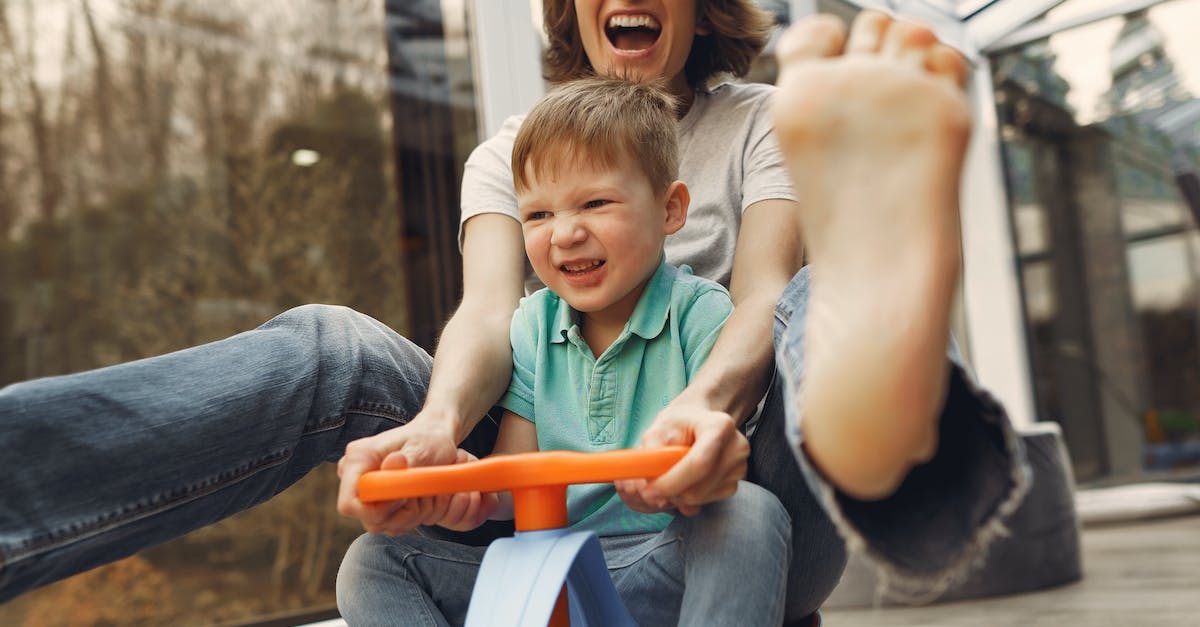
1042, 549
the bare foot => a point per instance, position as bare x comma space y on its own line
874, 127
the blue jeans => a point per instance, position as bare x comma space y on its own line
725, 566
946, 513
101, 464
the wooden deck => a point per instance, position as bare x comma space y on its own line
1144, 573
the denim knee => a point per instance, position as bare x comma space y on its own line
408, 579
360, 568
743, 541
757, 507
349, 343
368, 577
333, 330
752, 515
313, 317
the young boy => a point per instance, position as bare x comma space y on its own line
615, 336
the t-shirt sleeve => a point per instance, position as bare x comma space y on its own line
701, 325
487, 185
765, 176
519, 398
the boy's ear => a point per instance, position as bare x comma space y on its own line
676, 202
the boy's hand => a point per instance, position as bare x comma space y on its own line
630, 491
418, 443
709, 472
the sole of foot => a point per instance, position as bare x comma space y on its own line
873, 125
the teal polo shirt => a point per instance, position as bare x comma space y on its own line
580, 402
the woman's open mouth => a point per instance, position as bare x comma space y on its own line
632, 33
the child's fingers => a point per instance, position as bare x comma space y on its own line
488, 504
631, 492
456, 511
376, 517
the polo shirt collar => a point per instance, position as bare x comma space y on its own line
649, 316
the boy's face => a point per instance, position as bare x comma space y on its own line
594, 235
639, 39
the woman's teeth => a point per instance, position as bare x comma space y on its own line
633, 21
631, 33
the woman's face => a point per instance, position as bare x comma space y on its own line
639, 39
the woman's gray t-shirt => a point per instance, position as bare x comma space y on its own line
728, 157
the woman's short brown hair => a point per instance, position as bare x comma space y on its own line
739, 31
603, 122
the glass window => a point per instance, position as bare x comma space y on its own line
172, 173
1101, 131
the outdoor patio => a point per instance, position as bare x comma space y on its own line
1141, 573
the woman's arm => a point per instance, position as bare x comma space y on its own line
471, 369
727, 388
473, 362
738, 370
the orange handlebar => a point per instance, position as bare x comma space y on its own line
522, 470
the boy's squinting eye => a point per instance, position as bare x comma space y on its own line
592, 204
536, 215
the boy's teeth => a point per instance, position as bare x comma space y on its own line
579, 267
634, 21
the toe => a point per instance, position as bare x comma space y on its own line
815, 37
866, 35
908, 42
947, 62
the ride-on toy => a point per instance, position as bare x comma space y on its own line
545, 574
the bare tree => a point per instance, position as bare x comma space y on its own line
153, 203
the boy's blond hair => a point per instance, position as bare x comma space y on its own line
603, 122
739, 31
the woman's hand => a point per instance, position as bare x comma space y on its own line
421, 442
709, 472
471, 370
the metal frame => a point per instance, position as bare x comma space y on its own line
1045, 28
998, 19
507, 68
993, 305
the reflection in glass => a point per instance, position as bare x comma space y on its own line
176, 172
432, 103
1102, 125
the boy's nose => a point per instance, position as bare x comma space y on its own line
568, 231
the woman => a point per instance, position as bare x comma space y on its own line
742, 194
